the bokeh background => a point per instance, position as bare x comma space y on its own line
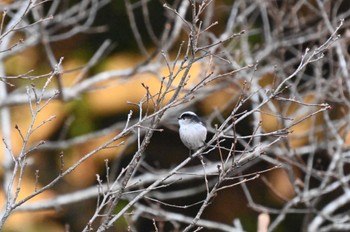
108, 104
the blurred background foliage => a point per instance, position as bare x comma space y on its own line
109, 103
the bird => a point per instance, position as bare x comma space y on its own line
192, 131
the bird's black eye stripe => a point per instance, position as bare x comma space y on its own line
190, 116
184, 116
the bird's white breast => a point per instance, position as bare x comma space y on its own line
192, 135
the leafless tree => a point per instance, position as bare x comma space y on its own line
285, 64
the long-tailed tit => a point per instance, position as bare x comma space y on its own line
192, 131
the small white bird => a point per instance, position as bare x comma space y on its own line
192, 131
